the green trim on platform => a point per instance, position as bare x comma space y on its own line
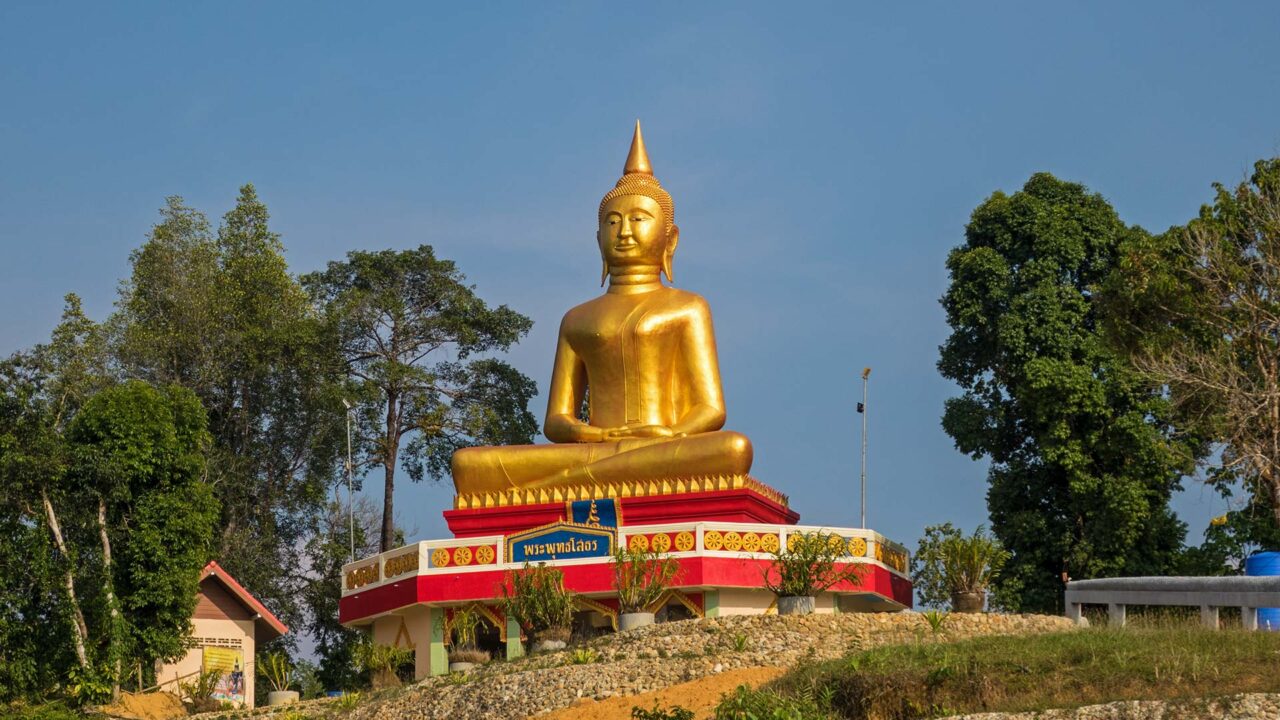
439, 656
515, 648
711, 603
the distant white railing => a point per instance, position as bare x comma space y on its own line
1207, 593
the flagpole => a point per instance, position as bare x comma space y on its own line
862, 410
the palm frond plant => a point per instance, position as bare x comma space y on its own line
464, 631
641, 576
535, 597
809, 564
276, 668
968, 566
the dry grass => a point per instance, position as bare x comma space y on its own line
931, 679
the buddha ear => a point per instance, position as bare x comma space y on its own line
604, 264
673, 239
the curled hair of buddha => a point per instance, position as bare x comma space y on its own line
638, 179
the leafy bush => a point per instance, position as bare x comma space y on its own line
276, 668
641, 576
807, 566
747, 704
675, 712
536, 598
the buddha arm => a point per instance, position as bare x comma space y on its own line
705, 406
568, 385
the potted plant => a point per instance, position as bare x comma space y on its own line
381, 662
806, 567
968, 565
463, 653
535, 597
280, 674
640, 576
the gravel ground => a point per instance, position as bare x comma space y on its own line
1250, 706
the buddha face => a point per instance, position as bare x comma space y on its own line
633, 233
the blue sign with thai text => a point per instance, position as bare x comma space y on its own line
561, 541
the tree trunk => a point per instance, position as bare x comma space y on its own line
82, 631
108, 588
391, 449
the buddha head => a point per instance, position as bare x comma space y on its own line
637, 219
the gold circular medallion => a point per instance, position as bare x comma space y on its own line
836, 544
484, 554
712, 540
732, 541
462, 556
684, 541
750, 542
879, 552
769, 542
857, 547
661, 542
794, 539
439, 557
638, 543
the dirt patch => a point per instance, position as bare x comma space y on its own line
701, 696
151, 706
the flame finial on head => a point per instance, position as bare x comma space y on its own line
638, 158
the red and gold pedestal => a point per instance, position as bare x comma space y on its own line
722, 531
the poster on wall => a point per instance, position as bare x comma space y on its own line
229, 662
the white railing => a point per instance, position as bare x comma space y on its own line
438, 557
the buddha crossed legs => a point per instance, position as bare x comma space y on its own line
647, 353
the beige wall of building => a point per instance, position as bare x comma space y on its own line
226, 616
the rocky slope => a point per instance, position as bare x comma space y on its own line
660, 656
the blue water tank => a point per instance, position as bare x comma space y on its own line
1265, 563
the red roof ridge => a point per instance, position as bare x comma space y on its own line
229, 582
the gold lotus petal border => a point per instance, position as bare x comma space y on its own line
640, 488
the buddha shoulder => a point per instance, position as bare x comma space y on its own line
611, 309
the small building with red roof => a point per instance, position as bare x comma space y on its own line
228, 625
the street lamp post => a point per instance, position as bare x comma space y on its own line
351, 515
862, 410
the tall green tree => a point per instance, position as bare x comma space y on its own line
137, 466
413, 335
106, 518
1083, 456
328, 548
219, 313
1197, 310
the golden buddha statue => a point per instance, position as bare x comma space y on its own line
647, 353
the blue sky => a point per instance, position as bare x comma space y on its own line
823, 159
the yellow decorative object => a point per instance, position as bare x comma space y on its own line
836, 543
769, 543
685, 541
660, 542
484, 554
880, 552
638, 543
647, 353
462, 556
792, 539
732, 541
857, 547
712, 540
636, 488
751, 542
439, 557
